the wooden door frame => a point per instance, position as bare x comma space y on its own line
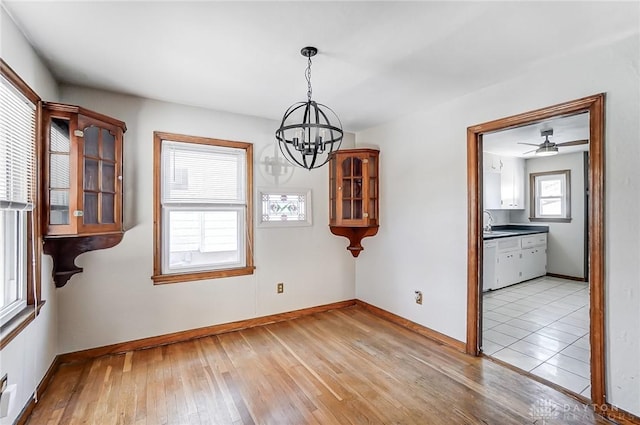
595, 106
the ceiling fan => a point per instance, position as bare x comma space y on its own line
548, 148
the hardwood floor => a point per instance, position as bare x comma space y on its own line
344, 366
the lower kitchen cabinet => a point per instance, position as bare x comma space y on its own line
517, 259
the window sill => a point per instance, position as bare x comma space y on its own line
16, 325
162, 279
550, 220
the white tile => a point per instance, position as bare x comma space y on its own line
581, 323
583, 343
490, 347
511, 330
488, 323
548, 313
570, 364
564, 327
557, 334
532, 350
523, 324
545, 342
517, 359
496, 316
587, 392
508, 311
536, 318
564, 378
498, 337
577, 353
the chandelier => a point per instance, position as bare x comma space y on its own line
309, 131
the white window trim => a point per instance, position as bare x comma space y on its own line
308, 221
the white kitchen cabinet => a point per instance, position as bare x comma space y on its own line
503, 185
512, 183
534, 256
491, 191
491, 163
489, 265
517, 259
507, 269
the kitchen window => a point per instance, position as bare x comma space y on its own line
550, 196
18, 183
203, 209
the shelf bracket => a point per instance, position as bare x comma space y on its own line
65, 249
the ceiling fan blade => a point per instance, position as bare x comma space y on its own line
573, 143
524, 153
530, 144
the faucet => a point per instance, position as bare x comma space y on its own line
487, 228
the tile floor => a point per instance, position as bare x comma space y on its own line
541, 326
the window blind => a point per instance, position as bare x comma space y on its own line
202, 174
17, 148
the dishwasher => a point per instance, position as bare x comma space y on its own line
489, 265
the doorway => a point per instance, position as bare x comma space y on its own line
594, 106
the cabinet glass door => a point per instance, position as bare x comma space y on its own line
99, 165
59, 171
352, 189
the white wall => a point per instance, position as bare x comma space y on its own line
27, 358
565, 242
114, 299
422, 242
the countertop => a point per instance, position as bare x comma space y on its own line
509, 230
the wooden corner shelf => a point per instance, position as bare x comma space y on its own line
65, 249
353, 197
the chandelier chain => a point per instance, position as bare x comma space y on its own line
307, 74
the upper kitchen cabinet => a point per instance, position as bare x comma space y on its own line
82, 183
512, 183
353, 195
504, 182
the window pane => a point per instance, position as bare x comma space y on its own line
551, 206
204, 240
200, 173
91, 141
277, 207
59, 207
8, 257
13, 263
551, 188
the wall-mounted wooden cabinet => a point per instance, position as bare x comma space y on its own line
354, 195
82, 184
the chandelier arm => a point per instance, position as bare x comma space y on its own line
289, 156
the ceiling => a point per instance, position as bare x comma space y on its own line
565, 129
377, 60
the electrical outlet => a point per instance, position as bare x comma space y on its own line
419, 297
280, 288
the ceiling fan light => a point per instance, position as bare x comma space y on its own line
547, 151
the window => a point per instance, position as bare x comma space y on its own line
203, 209
279, 208
17, 197
551, 196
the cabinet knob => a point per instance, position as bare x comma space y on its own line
120, 178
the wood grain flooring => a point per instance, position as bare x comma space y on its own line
344, 366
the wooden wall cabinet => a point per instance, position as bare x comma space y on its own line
354, 195
82, 184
